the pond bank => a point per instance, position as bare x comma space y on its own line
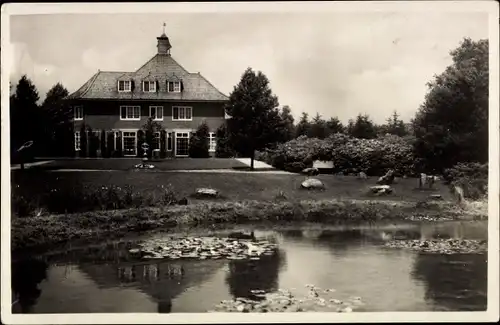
35, 232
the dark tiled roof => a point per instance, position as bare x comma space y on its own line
161, 68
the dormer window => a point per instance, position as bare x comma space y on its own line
174, 86
149, 86
124, 86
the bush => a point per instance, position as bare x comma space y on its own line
198, 144
110, 148
472, 177
104, 151
223, 148
163, 144
372, 156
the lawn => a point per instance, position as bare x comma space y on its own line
232, 186
126, 164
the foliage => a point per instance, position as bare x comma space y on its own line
255, 117
362, 128
286, 125
149, 130
163, 144
199, 142
23, 103
472, 177
348, 154
303, 126
318, 128
395, 126
141, 138
223, 148
111, 144
451, 126
333, 125
104, 149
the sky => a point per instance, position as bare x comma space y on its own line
334, 64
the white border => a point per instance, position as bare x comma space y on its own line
490, 7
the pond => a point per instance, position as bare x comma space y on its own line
351, 262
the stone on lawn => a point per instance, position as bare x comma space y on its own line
362, 175
206, 192
312, 183
387, 179
312, 171
436, 196
381, 189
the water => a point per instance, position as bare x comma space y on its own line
354, 262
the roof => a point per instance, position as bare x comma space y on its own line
161, 68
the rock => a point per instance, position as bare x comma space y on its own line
206, 192
381, 189
312, 183
313, 171
362, 175
183, 201
436, 196
387, 179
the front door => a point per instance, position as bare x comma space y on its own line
129, 143
182, 144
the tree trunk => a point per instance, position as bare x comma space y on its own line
252, 157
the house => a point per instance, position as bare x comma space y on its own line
114, 106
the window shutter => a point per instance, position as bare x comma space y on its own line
132, 85
182, 86
157, 85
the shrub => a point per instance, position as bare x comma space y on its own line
110, 147
163, 144
223, 148
198, 144
472, 177
104, 151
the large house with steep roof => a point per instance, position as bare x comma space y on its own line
116, 105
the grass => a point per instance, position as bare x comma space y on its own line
56, 229
126, 164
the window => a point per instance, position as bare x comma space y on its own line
78, 113
129, 143
124, 86
156, 141
174, 86
156, 112
180, 113
130, 113
169, 141
149, 86
77, 141
212, 142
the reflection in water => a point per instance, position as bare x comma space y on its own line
26, 275
247, 275
454, 282
354, 262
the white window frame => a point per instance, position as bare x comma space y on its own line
178, 113
156, 112
171, 138
123, 131
211, 137
126, 118
152, 89
157, 135
186, 134
78, 113
125, 82
175, 89
79, 142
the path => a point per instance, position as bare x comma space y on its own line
28, 165
257, 164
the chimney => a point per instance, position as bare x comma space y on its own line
163, 43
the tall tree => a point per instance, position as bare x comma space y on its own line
151, 129
333, 125
395, 125
288, 127
198, 144
303, 126
254, 114
452, 124
318, 127
24, 115
56, 120
363, 127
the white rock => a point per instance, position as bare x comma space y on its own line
312, 183
206, 191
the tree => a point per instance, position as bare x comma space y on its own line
395, 126
223, 148
255, 116
362, 127
57, 133
198, 144
451, 125
149, 136
333, 125
287, 127
24, 115
318, 128
303, 126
